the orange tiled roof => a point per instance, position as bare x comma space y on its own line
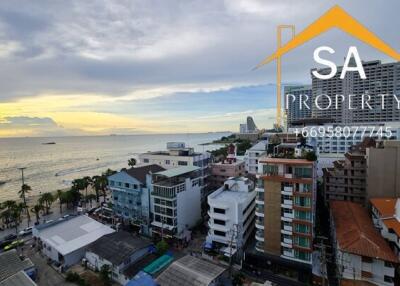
347, 282
356, 234
385, 206
394, 224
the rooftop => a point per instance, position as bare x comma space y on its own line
69, 235
190, 271
356, 234
385, 206
18, 279
285, 161
260, 146
139, 173
178, 171
118, 246
11, 263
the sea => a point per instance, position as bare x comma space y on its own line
53, 166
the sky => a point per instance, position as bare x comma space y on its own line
132, 67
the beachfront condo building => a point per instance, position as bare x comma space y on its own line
285, 211
178, 155
293, 95
175, 201
381, 78
130, 190
231, 212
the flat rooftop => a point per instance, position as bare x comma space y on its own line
178, 171
10, 264
72, 234
231, 196
18, 279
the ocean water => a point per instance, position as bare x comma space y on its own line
52, 167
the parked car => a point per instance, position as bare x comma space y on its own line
14, 244
25, 231
7, 240
10, 236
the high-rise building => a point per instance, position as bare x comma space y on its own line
285, 210
381, 78
293, 95
251, 126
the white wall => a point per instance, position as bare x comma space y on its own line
188, 206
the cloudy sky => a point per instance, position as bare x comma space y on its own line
126, 67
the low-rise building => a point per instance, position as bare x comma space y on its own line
253, 154
176, 201
231, 214
130, 190
361, 253
65, 241
119, 250
386, 218
227, 168
16, 271
179, 155
191, 271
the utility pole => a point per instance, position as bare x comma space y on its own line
323, 257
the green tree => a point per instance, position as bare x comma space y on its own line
105, 274
25, 189
131, 162
61, 198
36, 210
90, 199
162, 246
47, 200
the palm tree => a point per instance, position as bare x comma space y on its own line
25, 189
90, 198
60, 196
47, 199
87, 181
36, 210
131, 162
104, 182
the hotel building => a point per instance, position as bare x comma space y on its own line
285, 209
292, 95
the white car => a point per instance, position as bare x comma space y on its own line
25, 231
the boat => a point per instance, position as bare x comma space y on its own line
49, 143
2, 182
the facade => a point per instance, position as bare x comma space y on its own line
253, 154
176, 201
382, 78
231, 211
346, 180
130, 190
285, 209
190, 270
227, 168
65, 241
293, 111
341, 144
361, 253
118, 250
383, 170
178, 155
386, 218
248, 127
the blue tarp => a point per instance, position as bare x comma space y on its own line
142, 279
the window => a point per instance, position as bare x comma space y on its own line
219, 233
219, 211
127, 185
388, 264
365, 259
145, 160
270, 169
111, 183
135, 186
388, 279
218, 221
182, 163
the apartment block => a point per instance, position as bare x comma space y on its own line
383, 170
130, 189
293, 96
231, 212
175, 201
361, 253
285, 209
178, 155
253, 154
227, 168
381, 78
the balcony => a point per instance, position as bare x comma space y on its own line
260, 246
287, 241
287, 202
260, 209
260, 223
288, 215
260, 235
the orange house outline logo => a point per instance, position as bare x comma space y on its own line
336, 17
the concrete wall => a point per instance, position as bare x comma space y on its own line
272, 217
